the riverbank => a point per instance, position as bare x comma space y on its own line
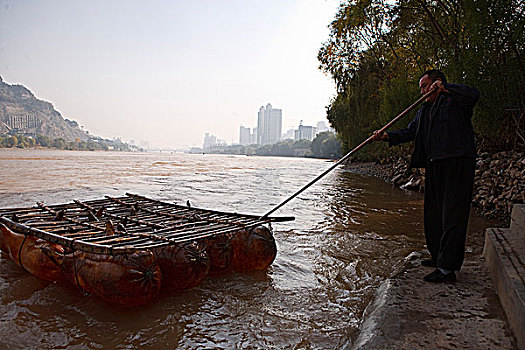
498, 183
408, 313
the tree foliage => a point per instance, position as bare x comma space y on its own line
326, 145
377, 50
286, 148
95, 144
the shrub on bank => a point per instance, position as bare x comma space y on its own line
96, 144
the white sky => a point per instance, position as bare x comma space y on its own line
169, 71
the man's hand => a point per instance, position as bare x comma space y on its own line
438, 85
379, 136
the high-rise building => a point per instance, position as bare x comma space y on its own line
321, 126
209, 141
269, 125
290, 135
245, 136
304, 132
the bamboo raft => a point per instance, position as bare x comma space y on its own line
126, 249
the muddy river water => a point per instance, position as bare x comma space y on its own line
350, 233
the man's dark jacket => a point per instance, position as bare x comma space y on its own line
449, 133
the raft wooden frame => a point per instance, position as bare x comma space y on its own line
140, 223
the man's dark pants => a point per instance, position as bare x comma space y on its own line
448, 194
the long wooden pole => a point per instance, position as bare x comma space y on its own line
361, 145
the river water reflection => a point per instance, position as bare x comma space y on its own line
350, 232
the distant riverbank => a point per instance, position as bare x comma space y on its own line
325, 145
42, 141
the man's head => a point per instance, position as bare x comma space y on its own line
426, 79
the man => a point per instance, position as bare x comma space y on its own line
443, 145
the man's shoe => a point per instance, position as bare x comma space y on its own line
439, 277
428, 263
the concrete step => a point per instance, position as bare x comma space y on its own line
504, 254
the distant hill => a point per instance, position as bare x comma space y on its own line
23, 113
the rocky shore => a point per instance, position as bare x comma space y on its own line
498, 185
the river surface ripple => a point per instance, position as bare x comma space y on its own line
350, 233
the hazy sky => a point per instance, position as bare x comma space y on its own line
169, 71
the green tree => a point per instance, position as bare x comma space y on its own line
59, 143
43, 140
326, 145
12, 141
287, 148
31, 142
377, 50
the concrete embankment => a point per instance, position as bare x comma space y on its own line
504, 254
408, 313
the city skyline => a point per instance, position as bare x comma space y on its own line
303, 132
249, 136
269, 119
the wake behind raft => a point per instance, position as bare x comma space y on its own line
127, 250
